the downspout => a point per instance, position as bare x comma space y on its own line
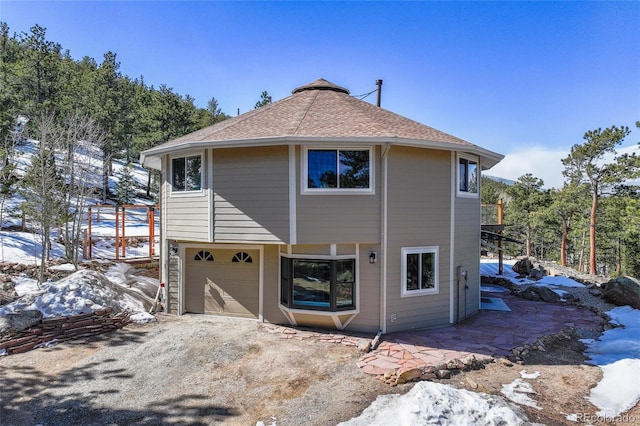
383, 238
454, 298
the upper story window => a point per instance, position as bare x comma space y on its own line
186, 173
419, 271
337, 170
467, 176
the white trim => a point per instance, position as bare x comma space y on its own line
383, 240
403, 273
182, 248
149, 157
210, 194
453, 287
293, 193
193, 193
355, 256
475, 159
304, 170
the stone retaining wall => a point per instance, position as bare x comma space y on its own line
62, 329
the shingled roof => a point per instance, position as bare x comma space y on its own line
319, 111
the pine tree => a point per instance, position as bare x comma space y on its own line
125, 190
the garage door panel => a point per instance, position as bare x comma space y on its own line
222, 286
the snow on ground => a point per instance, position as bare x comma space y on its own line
86, 291
435, 403
617, 352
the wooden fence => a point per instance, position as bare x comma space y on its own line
128, 231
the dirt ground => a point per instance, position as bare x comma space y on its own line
206, 370
195, 370
203, 370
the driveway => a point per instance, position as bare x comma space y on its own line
196, 370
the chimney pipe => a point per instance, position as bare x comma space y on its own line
379, 84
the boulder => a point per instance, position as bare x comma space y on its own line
540, 293
622, 291
537, 273
523, 267
20, 321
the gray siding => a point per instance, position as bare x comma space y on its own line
368, 319
251, 195
467, 254
186, 216
419, 214
341, 218
272, 312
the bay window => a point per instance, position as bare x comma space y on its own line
317, 284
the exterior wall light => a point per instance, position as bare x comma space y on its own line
372, 257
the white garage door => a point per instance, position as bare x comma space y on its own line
222, 281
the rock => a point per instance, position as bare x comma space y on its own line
364, 345
595, 292
506, 362
541, 293
409, 376
523, 267
622, 291
536, 274
443, 374
20, 321
7, 296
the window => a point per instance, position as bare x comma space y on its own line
242, 257
186, 173
419, 271
467, 176
326, 285
203, 255
338, 169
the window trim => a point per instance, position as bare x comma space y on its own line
333, 307
304, 173
403, 274
187, 193
475, 160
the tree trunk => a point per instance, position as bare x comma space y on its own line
581, 261
592, 232
563, 244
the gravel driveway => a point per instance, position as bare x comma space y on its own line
196, 370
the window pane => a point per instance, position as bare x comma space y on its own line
462, 175
322, 166
354, 169
312, 283
193, 173
428, 270
345, 282
284, 281
178, 169
472, 177
412, 271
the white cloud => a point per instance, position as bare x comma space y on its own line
542, 162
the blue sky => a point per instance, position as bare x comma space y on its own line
525, 79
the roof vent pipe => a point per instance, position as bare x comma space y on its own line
379, 84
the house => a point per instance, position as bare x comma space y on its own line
322, 210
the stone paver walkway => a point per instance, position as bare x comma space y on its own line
485, 336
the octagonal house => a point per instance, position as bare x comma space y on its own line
322, 210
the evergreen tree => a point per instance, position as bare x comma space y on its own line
527, 199
126, 188
586, 163
43, 189
265, 99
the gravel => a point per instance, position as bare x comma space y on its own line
196, 370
